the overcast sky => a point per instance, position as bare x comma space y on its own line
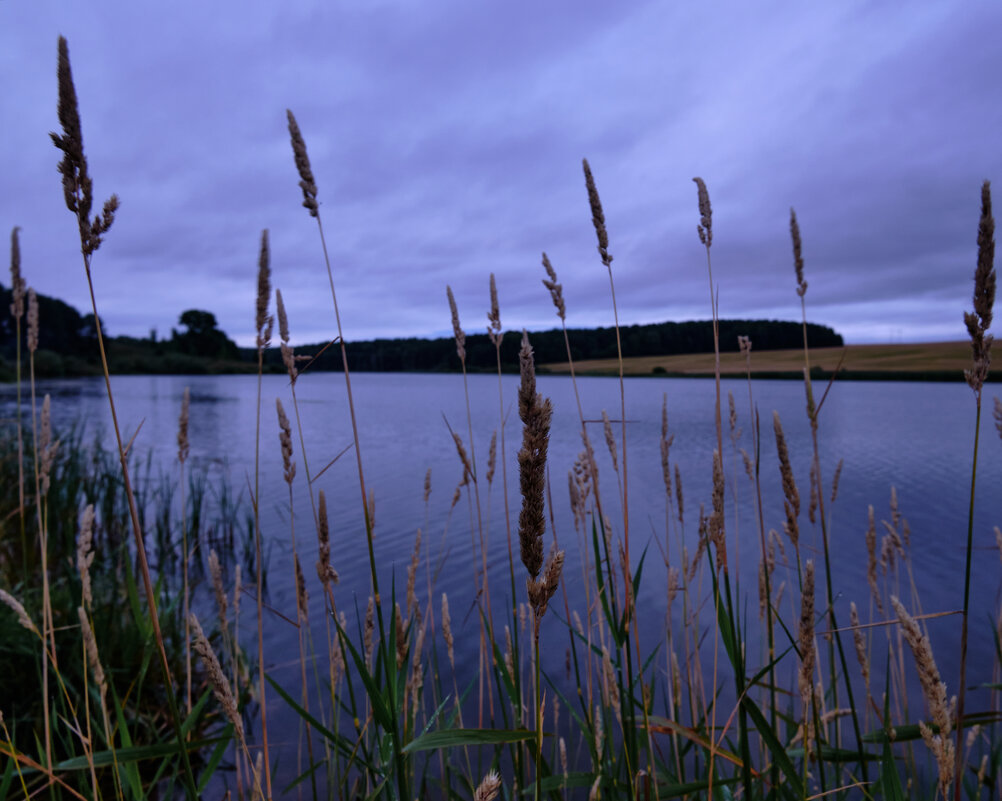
446, 138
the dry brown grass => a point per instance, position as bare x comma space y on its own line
904, 358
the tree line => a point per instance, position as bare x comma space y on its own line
656, 339
68, 345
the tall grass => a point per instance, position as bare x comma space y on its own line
720, 707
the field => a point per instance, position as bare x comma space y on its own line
919, 360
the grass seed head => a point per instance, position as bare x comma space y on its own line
18, 609
705, 227
216, 575
220, 686
32, 321
805, 637
979, 321
457, 330
535, 412
447, 630
285, 441
16, 279
791, 501
798, 257
597, 215
556, 289
90, 645
78, 190
494, 316
306, 181
489, 788
183, 446
262, 321
85, 553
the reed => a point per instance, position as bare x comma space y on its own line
978, 322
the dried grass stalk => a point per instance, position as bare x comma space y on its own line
665, 443
325, 572
457, 329
871, 559
463, 457
934, 690
805, 637
216, 575
17, 287
705, 227
556, 289
447, 630
494, 316
715, 526
306, 181
85, 554
262, 320
220, 687
679, 497
288, 354
412, 605
302, 596
285, 441
610, 439
835, 479
47, 446
32, 321
369, 630
860, 642
22, 615
492, 456
535, 412
401, 639
791, 501
183, 446
798, 257
77, 187
979, 321
933, 687
90, 645
597, 215
489, 788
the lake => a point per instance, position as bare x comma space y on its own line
916, 437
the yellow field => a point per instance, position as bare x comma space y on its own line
904, 358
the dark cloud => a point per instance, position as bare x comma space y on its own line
447, 139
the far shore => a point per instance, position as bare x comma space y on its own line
914, 361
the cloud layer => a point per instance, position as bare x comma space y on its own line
446, 139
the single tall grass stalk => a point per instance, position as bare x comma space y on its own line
309, 188
263, 325
978, 322
813, 411
78, 194
183, 449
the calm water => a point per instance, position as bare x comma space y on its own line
916, 437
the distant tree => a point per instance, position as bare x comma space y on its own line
88, 330
202, 337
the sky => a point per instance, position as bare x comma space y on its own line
446, 138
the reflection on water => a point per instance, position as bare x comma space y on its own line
916, 437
